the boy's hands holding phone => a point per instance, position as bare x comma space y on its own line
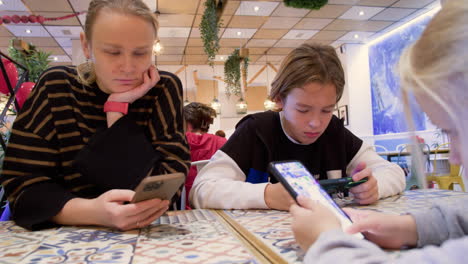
367, 192
305, 232
150, 78
112, 209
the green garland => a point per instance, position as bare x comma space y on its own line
209, 30
309, 4
35, 61
232, 72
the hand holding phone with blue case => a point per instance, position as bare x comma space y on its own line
299, 181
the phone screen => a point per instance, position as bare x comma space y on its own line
303, 183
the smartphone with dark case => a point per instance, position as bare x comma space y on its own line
299, 181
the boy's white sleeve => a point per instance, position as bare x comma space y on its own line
390, 177
221, 185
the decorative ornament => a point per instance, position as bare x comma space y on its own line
12, 73
23, 92
34, 19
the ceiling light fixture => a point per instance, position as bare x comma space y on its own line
1, 2
55, 58
215, 104
361, 13
186, 101
268, 104
356, 36
28, 31
239, 33
157, 48
241, 106
256, 8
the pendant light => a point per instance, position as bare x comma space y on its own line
186, 101
241, 106
268, 104
215, 104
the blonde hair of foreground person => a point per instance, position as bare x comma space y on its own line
435, 68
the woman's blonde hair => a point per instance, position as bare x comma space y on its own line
138, 8
436, 67
305, 64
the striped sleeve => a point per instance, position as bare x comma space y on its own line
167, 127
31, 161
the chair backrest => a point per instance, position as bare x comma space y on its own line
200, 164
452, 169
382, 148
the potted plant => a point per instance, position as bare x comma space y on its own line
309, 4
232, 71
209, 29
29, 56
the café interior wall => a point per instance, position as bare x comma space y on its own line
228, 118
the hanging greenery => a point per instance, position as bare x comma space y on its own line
209, 30
309, 4
34, 60
232, 72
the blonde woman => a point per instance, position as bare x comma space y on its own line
86, 136
435, 70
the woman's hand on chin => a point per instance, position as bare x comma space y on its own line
150, 79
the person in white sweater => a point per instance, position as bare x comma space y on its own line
306, 89
435, 70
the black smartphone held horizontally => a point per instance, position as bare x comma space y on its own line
340, 185
299, 181
161, 186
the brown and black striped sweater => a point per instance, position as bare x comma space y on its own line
61, 119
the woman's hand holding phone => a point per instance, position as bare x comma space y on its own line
150, 79
311, 211
113, 210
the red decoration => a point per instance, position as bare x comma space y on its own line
23, 92
16, 19
12, 73
6, 19
24, 19
34, 19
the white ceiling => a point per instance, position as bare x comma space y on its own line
264, 26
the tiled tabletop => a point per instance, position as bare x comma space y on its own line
196, 236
